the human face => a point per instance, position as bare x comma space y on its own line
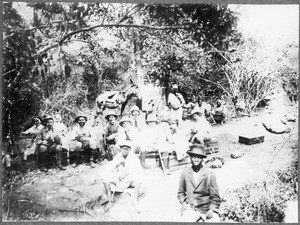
135, 113
195, 116
50, 123
81, 121
125, 151
126, 124
37, 122
196, 160
111, 119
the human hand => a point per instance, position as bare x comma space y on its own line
209, 214
183, 208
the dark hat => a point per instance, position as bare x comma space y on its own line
197, 149
111, 113
126, 143
77, 118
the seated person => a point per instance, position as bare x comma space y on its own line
154, 139
32, 132
123, 172
128, 132
83, 138
136, 118
218, 115
110, 135
201, 129
48, 140
176, 141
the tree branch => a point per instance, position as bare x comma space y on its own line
9, 72
45, 26
53, 45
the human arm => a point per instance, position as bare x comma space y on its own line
214, 197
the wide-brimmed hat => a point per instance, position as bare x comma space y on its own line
135, 108
197, 149
36, 118
175, 86
125, 119
151, 118
126, 143
111, 113
46, 118
77, 118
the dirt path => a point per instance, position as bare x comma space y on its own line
79, 189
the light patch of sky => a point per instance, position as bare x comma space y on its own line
274, 24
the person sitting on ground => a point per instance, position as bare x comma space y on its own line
128, 132
201, 129
137, 120
32, 132
198, 191
110, 134
205, 108
218, 115
154, 140
123, 172
48, 141
176, 141
83, 138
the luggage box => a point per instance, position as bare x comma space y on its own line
250, 139
211, 146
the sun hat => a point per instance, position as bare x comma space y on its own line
111, 113
175, 86
196, 110
77, 118
151, 118
125, 119
197, 149
46, 118
126, 143
36, 118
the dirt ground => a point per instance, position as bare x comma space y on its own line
75, 194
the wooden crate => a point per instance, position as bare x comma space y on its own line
211, 146
250, 139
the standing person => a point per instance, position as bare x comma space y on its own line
175, 103
32, 132
83, 138
146, 96
123, 172
48, 140
198, 192
110, 134
58, 124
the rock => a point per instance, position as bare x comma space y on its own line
236, 154
290, 118
274, 125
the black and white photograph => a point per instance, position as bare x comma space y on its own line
150, 112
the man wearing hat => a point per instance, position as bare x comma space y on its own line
154, 140
198, 191
128, 132
201, 129
123, 172
111, 133
48, 140
136, 118
83, 138
32, 132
